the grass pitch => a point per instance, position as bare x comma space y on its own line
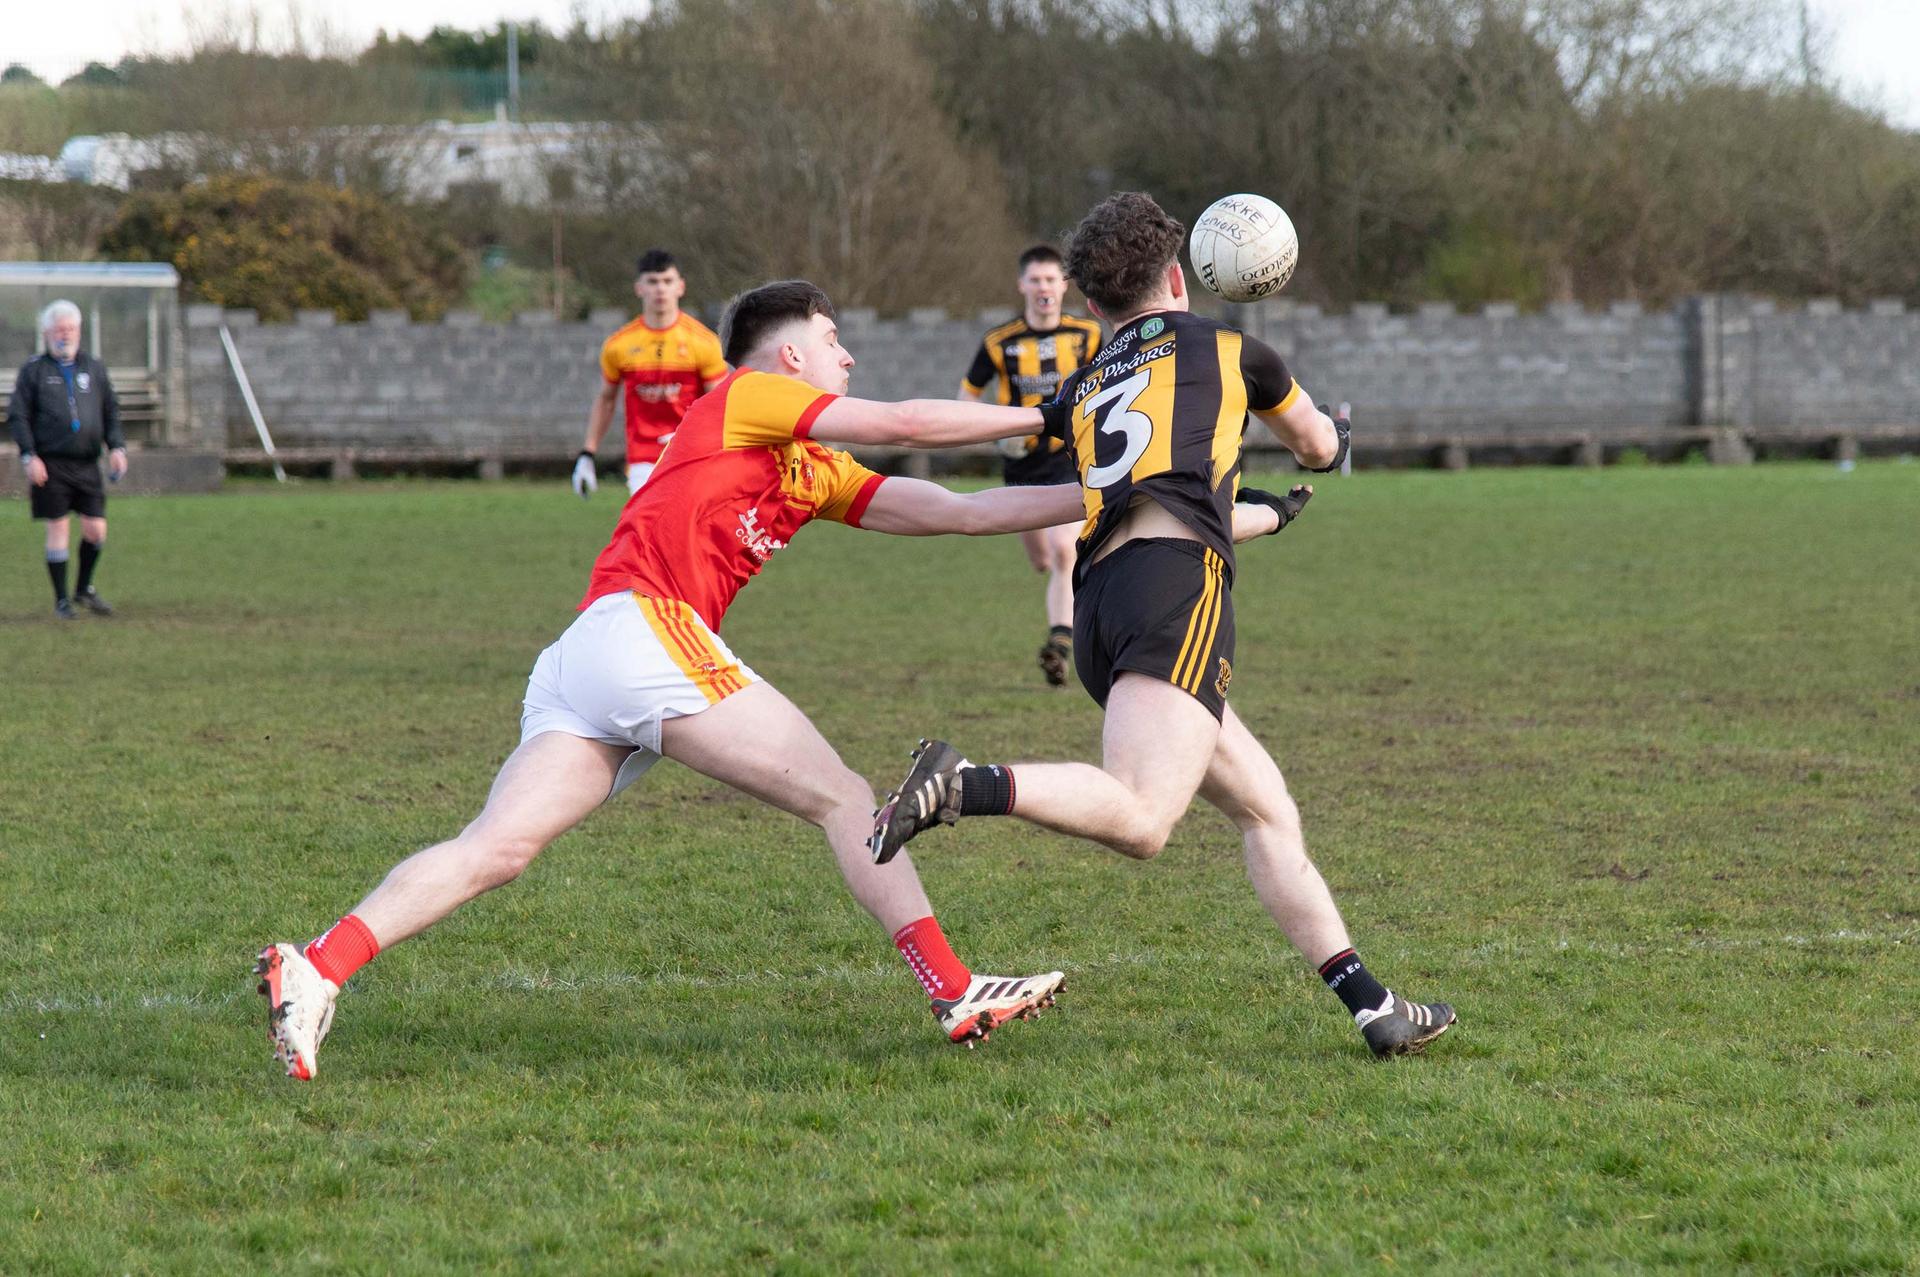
1625, 764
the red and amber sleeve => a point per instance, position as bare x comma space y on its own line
764, 409
850, 487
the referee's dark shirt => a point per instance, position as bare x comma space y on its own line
43, 419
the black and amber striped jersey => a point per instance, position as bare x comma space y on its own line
1023, 367
1161, 413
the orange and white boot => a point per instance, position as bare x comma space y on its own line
299, 1007
992, 1000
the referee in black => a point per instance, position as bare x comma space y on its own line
62, 411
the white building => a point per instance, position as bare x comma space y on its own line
429, 160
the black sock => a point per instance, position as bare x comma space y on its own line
1352, 983
986, 791
89, 555
1060, 634
57, 569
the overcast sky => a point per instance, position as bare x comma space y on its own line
1875, 48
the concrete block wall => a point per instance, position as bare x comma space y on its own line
461, 384
1440, 370
1823, 364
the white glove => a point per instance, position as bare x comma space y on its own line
586, 481
1017, 447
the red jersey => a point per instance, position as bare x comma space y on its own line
739, 479
661, 371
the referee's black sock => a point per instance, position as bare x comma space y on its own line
1352, 983
1060, 634
89, 555
986, 791
57, 569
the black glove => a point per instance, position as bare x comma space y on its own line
1287, 507
1343, 428
1054, 415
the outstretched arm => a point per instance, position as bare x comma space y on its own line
1310, 434
917, 508
1257, 513
922, 423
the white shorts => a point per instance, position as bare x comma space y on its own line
625, 665
638, 472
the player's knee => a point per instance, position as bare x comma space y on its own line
503, 857
854, 792
845, 791
1143, 838
1278, 814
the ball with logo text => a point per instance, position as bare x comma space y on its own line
1243, 247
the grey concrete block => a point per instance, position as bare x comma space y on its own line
314, 318
534, 319
388, 318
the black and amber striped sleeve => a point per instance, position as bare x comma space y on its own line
981, 371
1270, 387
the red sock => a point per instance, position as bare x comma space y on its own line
346, 947
926, 950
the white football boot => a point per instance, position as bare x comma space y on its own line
299, 1007
992, 1000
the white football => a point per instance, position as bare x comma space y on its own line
1243, 247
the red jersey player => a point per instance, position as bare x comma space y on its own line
660, 363
642, 672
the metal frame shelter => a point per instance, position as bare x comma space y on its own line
139, 342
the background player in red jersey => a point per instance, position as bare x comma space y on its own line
1023, 362
642, 673
660, 363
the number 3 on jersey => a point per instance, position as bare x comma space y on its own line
1135, 428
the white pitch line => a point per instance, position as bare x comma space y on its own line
519, 980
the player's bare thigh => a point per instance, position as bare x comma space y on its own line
1050, 549
546, 787
1158, 742
759, 742
1244, 782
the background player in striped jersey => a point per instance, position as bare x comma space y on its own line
642, 673
1157, 422
1021, 363
660, 363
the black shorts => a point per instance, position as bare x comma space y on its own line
72, 487
1161, 607
1039, 468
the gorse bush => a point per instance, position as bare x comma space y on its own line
279, 246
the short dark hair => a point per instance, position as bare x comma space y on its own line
758, 311
655, 260
1043, 253
1120, 250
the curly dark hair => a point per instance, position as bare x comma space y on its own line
1120, 250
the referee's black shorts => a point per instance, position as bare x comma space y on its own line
72, 487
1158, 606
